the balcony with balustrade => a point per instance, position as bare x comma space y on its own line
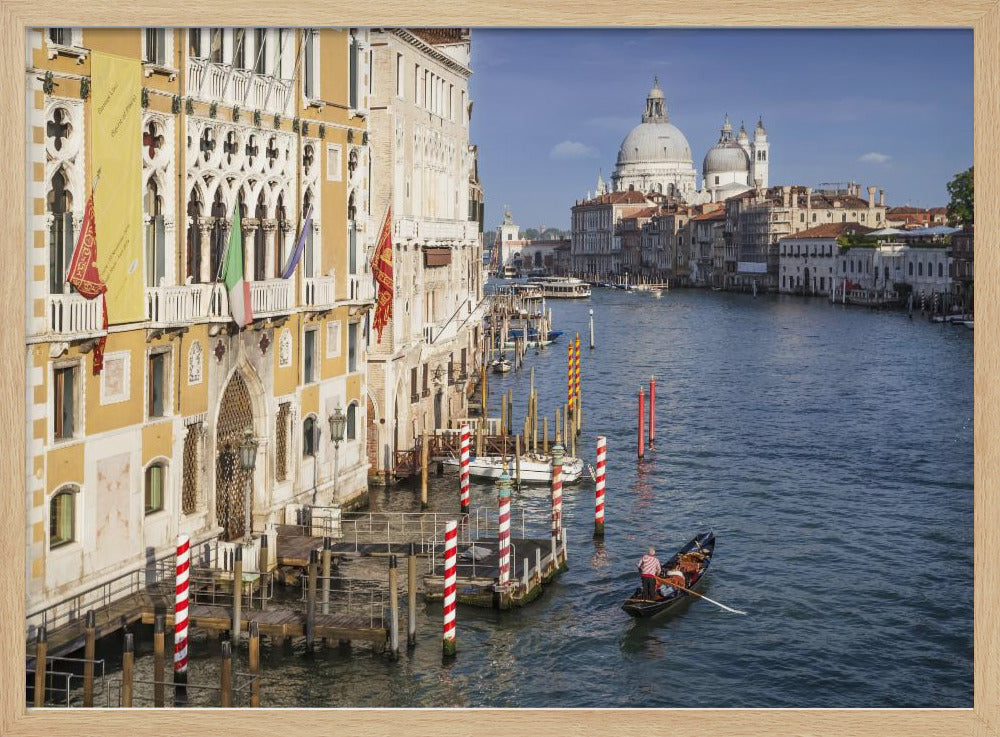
72, 317
319, 292
175, 306
210, 81
440, 231
272, 297
360, 290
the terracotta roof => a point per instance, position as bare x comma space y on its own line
906, 211
440, 36
938, 211
629, 197
713, 215
830, 230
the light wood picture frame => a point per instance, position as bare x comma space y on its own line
983, 16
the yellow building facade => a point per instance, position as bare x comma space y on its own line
204, 121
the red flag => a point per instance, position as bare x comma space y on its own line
382, 270
84, 276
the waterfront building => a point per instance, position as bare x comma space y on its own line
963, 261
425, 168
704, 230
888, 266
807, 260
629, 232
595, 249
916, 217
183, 128
757, 219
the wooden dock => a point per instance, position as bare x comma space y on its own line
476, 580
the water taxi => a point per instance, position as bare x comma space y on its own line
555, 287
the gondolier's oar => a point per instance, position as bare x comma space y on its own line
669, 582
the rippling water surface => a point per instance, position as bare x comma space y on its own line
831, 451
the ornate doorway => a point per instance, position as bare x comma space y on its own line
235, 418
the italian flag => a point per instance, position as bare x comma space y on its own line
232, 274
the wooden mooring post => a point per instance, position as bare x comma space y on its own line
41, 654
89, 650
128, 667
424, 461
237, 593
311, 599
254, 663
262, 562
227, 675
159, 626
411, 592
545, 435
327, 555
517, 460
393, 608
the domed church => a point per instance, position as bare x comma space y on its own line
655, 157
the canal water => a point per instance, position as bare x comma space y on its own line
831, 451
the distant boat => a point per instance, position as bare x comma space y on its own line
501, 366
555, 287
968, 324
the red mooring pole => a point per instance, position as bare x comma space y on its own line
642, 417
652, 410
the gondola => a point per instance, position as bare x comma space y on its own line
701, 546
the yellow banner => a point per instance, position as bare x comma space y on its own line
116, 127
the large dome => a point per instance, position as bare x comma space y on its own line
654, 142
725, 157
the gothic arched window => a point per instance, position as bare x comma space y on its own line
194, 211
218, 236
259, 244
59, 204
155, 251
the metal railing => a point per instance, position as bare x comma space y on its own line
59, 680
355, 597
198, 694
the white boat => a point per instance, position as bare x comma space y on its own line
501, 366
555, 287
535, 469
968, 324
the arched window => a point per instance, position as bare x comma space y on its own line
259, 245
940, 269
62, 517
218, 237
920, 269
307, 257
194, 211
155, 257
59, 204
911, 268
156, 475
309, 436
352, 421
281, 215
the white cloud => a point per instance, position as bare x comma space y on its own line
573, 150
874, 157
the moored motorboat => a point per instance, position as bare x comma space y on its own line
695, 555
534, 468
501, 366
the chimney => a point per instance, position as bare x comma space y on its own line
881, 198
871, 198
809, 198
786, 196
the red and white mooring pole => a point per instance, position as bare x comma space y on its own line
181, 616
450, 577
557, 461
503, 534
602, 451
642, 435
652, 410
463, 470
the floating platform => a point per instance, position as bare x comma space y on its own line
534, 563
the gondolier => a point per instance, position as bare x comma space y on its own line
649, 568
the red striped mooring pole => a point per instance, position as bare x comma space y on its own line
503, 527
181, 618
652, 410
463, 471
557, 461
602, 450
450, 577
642, 437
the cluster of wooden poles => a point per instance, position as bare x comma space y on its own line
160, 682
642, 417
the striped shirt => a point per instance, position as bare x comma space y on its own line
649, 565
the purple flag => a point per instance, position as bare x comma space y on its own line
293, 258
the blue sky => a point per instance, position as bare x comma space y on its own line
891, 108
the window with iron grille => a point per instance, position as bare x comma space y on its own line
414, 396
281, 444
191, 481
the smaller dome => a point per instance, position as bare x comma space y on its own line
724, 158
742, 136
656, 91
